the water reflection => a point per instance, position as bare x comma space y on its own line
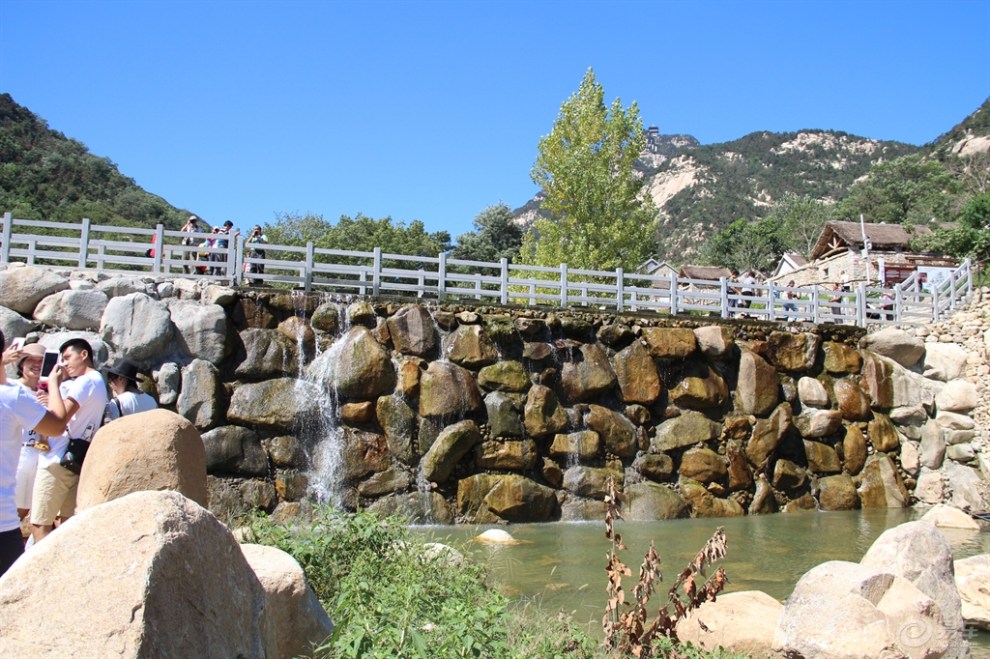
561, 565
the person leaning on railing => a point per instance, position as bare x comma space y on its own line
254, 241
191, 226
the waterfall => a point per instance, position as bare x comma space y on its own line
325, 440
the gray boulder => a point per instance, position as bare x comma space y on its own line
944, 361
234, 449
903, 347
74, 310
201, 329
200, 400
453, 443
137, 326
21, 289
280, 403
13, 324
121, 286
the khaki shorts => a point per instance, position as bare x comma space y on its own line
54, 494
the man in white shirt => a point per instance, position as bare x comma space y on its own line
85, 397
19, 410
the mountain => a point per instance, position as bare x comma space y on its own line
700, 189
46, 176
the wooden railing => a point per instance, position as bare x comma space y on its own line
125, 250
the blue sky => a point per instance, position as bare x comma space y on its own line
433, 110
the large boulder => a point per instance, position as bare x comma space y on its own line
156, 450
264, 353
418, 507
588, 376
509, 454
21, 289
715, 341
139, 327
543, 414
818, 423
705, 504
470, 346
639, 380
685, 430
589, 482
767, 434
918, 552
235, 450
703, 465
742, 622
841, 358
175, 584
851, 400
618, 432
201, 329
279, 403
702, 389
812, 393
671, 342
580, 446
13, 324
449, 391
74, 310
881, 486
957, 396
973, 581
904, 348
944, 361
487, 498
413, 331
756, 391
837, 493
947, 517
505, 414
294, 619
451, 445
356, 367
842, 609
509, 375
121, 286
200, 400
398, 420
794, 352
647, 502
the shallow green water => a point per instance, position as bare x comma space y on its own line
562, 565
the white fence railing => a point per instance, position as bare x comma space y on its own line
161, 252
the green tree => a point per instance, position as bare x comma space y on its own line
970, 238
600, 220
496, 236
745, 245
800, 220
908, 190
360, 233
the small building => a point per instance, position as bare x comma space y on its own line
652, 266
711, 272
789, 262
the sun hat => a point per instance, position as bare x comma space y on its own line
124, 369
31, 350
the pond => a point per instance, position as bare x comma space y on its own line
561, 566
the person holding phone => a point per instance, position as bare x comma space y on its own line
19, 410
191, 227
85, 399
29, 376
254, 242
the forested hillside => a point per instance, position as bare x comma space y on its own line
45, 175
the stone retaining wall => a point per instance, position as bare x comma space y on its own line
511, 414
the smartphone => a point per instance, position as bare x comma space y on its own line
17, 343
48, 363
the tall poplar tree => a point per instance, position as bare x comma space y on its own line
599, 218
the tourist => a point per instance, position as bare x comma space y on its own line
29, 376
85, 396
20, 410
220, 240
254, 242
127, 398
789, 306
192, 226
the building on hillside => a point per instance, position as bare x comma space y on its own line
652, 266
789, 262
884, 258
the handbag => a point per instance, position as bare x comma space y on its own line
73, 457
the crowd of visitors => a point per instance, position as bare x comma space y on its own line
47, 421
208, 259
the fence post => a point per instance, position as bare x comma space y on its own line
8, 229
563, 285
861, 305
376, 275
237, 278
231, 260
310, 262
815, 317
32, 248
532, 294
442, 277
504, 283
673, 294
619, 290
159, 248
84, 244
935, 303
969, 277
477, 286
724, 293
100, 257
771, 315
898, 304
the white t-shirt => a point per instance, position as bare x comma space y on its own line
91, 393
18, 410
131, 402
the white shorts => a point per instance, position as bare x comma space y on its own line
27, 468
